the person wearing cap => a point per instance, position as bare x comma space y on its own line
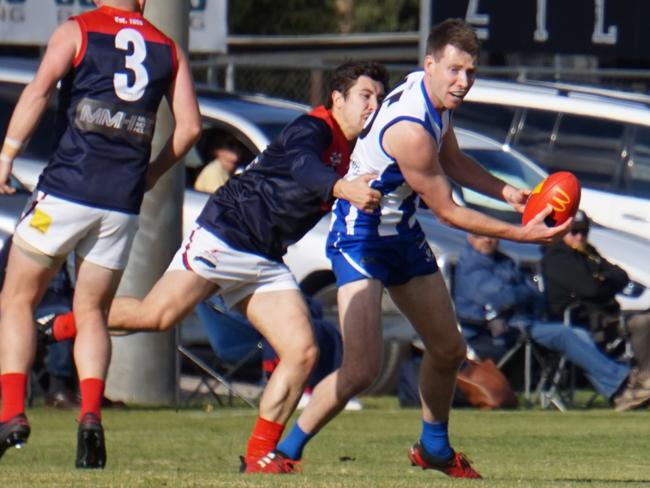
575, 272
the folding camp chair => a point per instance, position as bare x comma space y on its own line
234, 342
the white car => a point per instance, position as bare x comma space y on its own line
308, 262
602, 136
255, 120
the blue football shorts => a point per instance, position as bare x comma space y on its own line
393, 260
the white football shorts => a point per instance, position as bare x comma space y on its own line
237, 273
56, 227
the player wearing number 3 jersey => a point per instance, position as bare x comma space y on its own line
115, 68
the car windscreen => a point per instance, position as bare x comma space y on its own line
269, 118
507, 167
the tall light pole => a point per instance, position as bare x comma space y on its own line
144, 366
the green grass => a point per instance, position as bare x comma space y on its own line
199, 447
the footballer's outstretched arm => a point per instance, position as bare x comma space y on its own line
417, 155
465, 171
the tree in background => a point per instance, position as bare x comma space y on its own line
295, 17
378, 15
288, 17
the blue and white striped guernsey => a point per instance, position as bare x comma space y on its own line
396, 214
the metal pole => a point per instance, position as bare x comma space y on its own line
144, 366
426, 10
315, 87
230, 77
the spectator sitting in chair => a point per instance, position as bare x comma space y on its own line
575, 273
488, 285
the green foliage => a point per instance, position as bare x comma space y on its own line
294, 17
189, 447
385, 15
287, 17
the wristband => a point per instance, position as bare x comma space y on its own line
13, 143
10, 149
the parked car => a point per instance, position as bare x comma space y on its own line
308, 262
256, 120
602, 136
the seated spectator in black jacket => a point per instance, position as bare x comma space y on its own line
488, 284
575, 272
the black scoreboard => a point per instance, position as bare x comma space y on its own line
619, 28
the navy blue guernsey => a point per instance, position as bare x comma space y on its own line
107, 111
284, 192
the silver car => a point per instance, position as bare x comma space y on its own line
254, 121
602, 136
308, 262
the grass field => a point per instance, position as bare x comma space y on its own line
199, 447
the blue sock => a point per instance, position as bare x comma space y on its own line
295, 441
435, 439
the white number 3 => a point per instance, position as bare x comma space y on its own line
123, 41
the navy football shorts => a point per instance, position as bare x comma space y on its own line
393, 260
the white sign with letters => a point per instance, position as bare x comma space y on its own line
31, 22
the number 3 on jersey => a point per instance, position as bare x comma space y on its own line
125, 40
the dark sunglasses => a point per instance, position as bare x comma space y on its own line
584, 232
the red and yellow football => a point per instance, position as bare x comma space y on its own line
561, 191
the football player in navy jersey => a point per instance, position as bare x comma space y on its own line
411, 145
115, 68
239, 239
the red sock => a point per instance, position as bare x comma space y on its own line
92, 393
64, 327
263, 440
13, 395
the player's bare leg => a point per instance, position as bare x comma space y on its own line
25, 283
24, 286
172, 298
425, 301
94, 291
360, 317
282, 317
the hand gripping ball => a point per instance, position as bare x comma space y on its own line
561, 191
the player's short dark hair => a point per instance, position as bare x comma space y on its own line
346, 75
455, 32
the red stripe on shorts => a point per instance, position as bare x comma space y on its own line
186, 261
31, 208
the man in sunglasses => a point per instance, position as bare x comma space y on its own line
576, 274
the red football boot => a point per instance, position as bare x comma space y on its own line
274, 463
456, 467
